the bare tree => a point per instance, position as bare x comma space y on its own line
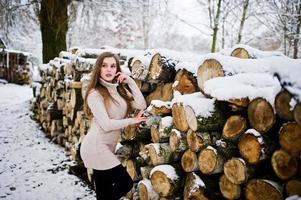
243, 19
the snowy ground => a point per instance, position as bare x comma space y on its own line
31, 167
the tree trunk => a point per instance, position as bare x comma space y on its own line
261, 115
229, 190
54, 25
163, 92
234, 127
215, 28
260, 189
282, 105
290, 138
284, 165
243, 19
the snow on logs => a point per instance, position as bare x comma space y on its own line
219, 126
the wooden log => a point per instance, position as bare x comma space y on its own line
293, 187
282, 105
198, 140
207, 123
194, 188
158, 107
189, 161
261, 115
132, 167
209, 69
252, 146
76, 98
162, 92
135, 133
210, 162
162, 68
290, 138
284, 165
145, 171
165, 180
185, 82
237, 171
160, 153
260, 189
240, 53
177, 141
229, 190
124, 151
179, 117
234, 127
145, 86
146, 190
139, 67
162, 133
297, 113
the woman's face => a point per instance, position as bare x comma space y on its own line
108, 69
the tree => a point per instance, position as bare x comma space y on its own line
243, 19
53, 18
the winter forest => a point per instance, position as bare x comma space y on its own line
206, 104
194, 25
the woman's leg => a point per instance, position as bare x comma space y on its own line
113, 183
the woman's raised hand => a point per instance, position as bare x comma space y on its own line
139, 117
120, 77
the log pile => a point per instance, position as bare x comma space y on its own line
214, 131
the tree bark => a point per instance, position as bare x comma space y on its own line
54, 26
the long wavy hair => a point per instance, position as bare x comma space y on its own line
103, 91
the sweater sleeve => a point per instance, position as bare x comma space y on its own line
139, 100
96, 104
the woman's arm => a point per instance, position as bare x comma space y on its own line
96, 104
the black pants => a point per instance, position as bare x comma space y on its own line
112, 184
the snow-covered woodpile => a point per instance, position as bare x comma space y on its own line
224, 125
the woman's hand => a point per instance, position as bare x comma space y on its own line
120, 77
139, 117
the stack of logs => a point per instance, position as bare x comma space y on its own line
193, 146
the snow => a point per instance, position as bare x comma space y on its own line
253, 52
166, 169
256, 134
202, 106
32, 167
250, 85
198, 180
156, 146
166, 121
177, 132
294, 197
189, 66
159, 104
211, 148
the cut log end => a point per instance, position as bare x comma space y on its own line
189, 161
258, 189
234, 126
191, 118
235, 171
261, 115
293, 187
240, 53
282, 105
250, 148
290, 138
210, 68
179, 117
162, 184
229, 190
209, 161
297, 113
284, 165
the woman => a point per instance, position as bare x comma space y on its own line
109, 102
